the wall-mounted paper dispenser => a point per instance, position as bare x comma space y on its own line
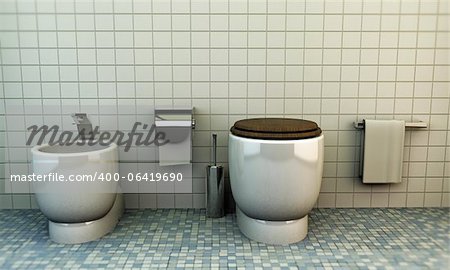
177, 125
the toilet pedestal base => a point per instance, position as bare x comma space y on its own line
272, 232
76, 233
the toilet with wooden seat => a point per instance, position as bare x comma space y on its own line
276, 169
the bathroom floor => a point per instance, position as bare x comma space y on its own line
337, 238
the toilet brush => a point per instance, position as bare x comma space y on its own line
215, 186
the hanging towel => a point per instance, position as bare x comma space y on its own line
383, 151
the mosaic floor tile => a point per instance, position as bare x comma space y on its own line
186, 239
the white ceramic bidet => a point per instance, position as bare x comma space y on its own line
78, 210
275, 172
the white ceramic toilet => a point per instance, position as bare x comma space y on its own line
78, 211
275, 172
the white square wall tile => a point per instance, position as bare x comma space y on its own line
327, 200
183, 201
131, 201
361, 200
380, 200
397, 199
415, 200
432, 200
344, 200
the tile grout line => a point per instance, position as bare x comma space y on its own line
228, 66
265, 60
430, 116
135, 97
153, 81
96, 68
339, 98
412, 106
220, 65
209, 84
115, 67
395, 96
447, 143
224, 47
22, 101
77, 55
247, 55
321, 92
222, 31
7, 162
40, 85
225, 13
377, 79
285, 56
303, 62
361, 133
408, 177
430, 106
171, 51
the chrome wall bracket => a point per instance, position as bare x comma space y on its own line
420, 124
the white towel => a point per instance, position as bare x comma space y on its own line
383, 151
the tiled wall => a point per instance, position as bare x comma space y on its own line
333, 62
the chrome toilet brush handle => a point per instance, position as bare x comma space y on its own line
214, 153
215, 186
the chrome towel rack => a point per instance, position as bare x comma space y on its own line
420, 124
361, 126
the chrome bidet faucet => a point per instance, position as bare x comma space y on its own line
84, 126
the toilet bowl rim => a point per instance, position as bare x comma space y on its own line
264, 141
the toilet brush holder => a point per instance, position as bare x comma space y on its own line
215, 186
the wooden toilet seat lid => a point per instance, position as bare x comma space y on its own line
276, 129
